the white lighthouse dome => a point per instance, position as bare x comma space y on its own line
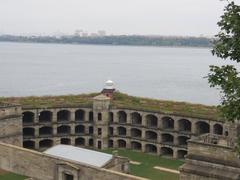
109, 84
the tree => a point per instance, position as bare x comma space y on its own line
226, 77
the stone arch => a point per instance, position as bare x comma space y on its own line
182, 140
28, 131
29, 144
150, 148
167, 122
167, 151
45, 131
121, 143
65, 141
136, 146
79, 129
64, 129
151, 135
136, 118
167, 138
136, 133
122, 131
122, 117
45, 143
63, 115
79, 115
218, 129
28, 117
45, 116
202, 127
185, 125
152, 121
181, 154
110, 143
80, 141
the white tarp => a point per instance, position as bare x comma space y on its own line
80, 155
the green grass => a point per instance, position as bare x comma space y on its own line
120, 100
148, 161
11, 176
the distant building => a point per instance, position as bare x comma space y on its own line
108, 89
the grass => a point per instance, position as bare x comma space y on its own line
11, 176
148, 161
120, 100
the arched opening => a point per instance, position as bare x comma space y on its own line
46, 143
110, 116
90, 130
166, 151
28, 132
90, 142
181, 154
185, 125
80, 142
136, 146
80, 129
110, 143
99, 116
122, 117
63, 115
121, 143
29, 144
79, 115
45, 117
202, 127
45, 131
218, 129
90, 116
122, 131
110, 131
28, 117
150, 135
136, 133
182, 140
152, 121
63, 130
150, 148
66, 141
167, 123
136, 118
99, 144
167, 139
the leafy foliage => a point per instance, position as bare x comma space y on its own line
227, 46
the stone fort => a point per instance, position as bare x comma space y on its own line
101, 126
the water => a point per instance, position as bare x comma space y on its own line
156, 72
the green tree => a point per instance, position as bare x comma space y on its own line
227, 47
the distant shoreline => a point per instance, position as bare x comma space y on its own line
145, 41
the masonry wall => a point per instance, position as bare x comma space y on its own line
44, 167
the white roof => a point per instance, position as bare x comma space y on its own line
80, 155
109, 84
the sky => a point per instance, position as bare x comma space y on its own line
143, 17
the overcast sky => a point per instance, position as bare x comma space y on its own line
159, 17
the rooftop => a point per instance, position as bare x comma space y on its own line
120, 100
81, 155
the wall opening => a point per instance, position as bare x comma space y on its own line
122, 131
45, 131
136, 133
66, 141
110, 116
202, 127
28, 117
90, 116
185, 125
110, 143
152, 121
218, 129
122, 117
30, 132
80, 141
136, 118
29, 144
45, 117
99, 116
63, 130
63, 115
167, 123
166, 151
46, 143
79, 129
79, 115
110, 129
121, 143
150, 148
167, 139
136, 146
181, 154
150, 135
182, 140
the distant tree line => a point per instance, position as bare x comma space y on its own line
132, 40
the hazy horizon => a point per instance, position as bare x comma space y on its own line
142, 17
